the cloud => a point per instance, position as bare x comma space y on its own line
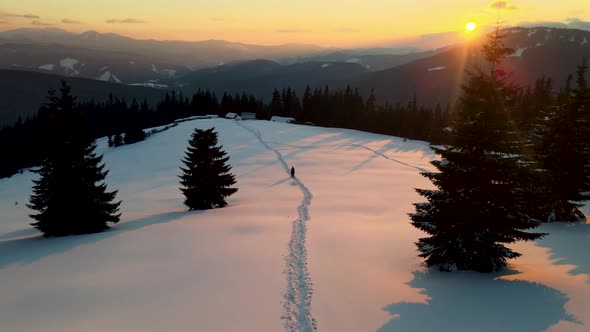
217, 19
29, 16
41, 24
70, 21
505, 5
577, 12
124, 21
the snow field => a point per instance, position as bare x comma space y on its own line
355, 266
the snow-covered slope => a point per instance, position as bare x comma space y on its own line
332, 247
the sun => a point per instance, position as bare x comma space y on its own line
471, 26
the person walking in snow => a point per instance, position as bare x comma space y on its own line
292, 171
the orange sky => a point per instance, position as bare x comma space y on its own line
322, 22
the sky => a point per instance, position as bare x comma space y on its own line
267, 22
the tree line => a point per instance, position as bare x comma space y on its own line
123, 122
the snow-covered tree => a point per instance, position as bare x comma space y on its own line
205, 179
70, 196
482, 196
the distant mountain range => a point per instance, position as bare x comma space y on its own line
394, 74
261, 77
120, 59
538, 52
190, 54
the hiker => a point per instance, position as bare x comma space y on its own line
292, 171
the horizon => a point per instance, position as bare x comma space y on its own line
374, 23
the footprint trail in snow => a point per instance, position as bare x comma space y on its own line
297, 298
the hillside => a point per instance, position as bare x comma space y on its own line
199, 54
538, 52
338, 236
87, 63
261, 77
23, 92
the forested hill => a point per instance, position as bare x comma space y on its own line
23, 92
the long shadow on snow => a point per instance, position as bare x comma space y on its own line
31, 249
297, 149
470, 301
341, 140
289, 139
568, 244
381, 153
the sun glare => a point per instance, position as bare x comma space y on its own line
470, 26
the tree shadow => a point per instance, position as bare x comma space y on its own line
568, 244
280, 182
19, 233
31, 249
470, 301
381, 153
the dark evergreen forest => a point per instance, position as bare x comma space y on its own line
326, 107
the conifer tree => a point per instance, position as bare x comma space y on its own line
118, 140
276, 104
561, 153
481, 201
70, 196
205, 180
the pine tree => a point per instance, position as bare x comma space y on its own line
482, 201
206, 180
118, 140
70, 195
276, 104
561, 154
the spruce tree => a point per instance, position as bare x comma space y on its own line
481, 201
70, 196
205, 180
118, 140
561, 153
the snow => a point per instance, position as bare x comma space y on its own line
232, 115
150, 85
168, 72
539, 44
325, 65
332, 246
155, 69
47, 67
103, 68
437, 68
518, 52
585, 41
108, 77
282, 119
532, 32
69, 64
353, 60
131, 62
